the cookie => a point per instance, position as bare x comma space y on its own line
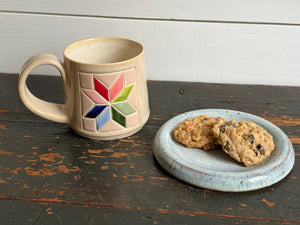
198, 132
244, 141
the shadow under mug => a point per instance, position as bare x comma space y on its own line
105, 88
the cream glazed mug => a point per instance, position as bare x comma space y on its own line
105, 88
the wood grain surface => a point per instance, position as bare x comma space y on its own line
51, 175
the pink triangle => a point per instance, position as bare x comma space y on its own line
86, 103
132, 98
130, 77
111, 126
109, 78
132, 120
95, 96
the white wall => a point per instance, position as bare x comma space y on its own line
254, 41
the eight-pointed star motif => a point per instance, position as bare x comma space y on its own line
109, 101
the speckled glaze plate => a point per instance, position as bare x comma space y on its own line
215, 169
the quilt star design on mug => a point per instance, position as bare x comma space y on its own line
109, 101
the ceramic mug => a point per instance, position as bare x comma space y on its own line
105, 88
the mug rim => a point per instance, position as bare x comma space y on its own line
76, 43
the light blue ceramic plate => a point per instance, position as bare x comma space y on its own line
216, 170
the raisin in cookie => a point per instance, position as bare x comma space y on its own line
197, 132
244, 141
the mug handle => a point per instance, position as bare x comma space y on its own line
48, 110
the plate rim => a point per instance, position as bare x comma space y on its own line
255, 178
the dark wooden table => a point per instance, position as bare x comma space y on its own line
50, 175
